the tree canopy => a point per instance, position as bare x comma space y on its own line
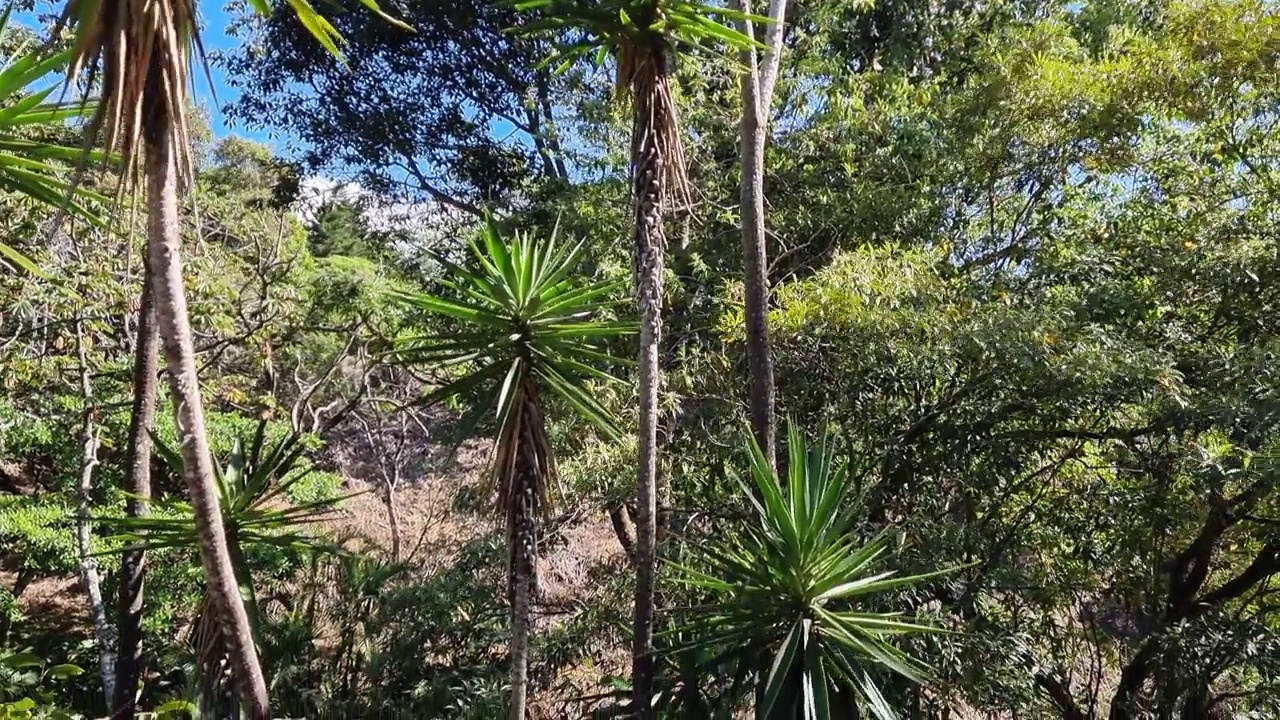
1023, 281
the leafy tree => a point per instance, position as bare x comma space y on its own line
528, 337
457, 113
340, 229
235, 165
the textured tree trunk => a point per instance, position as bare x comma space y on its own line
757, 96
648, 234
522, 540
519, 641
88, 566
138, 461
163, 243
756, 280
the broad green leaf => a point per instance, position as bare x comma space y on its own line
22, 661
64, 671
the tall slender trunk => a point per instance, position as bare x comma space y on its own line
757, 96
138, 460
519, 641
163, 243
522, 539
756, 286
649, 174
88, 566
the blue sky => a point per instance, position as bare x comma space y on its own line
215, 20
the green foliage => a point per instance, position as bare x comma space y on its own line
787, 613
437, 639
257, 475
29, 161
249, 170
456, 75
615, 27
28, 687
340, 229
264, 534
527, 321
1023, 266
404, 641
39, 529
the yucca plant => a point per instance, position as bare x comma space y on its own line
530, 334
642, 37
140, 54
30, 164
252, 486
783, 614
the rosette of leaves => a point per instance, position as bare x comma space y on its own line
529, 330
785, 615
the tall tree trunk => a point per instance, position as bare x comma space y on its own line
519, 639
649, 175
756, 281
138, 461
163, 243
757, 95
88, 566
522, 538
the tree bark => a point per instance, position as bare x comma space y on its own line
624, 529
755, 261
519, 642
757, 96
393, 519
163, 250
648, 235
138, 461
522, 539
88, 565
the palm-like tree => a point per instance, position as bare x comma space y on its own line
641, 36
782, 615
529, 335
256, 474
139, 52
